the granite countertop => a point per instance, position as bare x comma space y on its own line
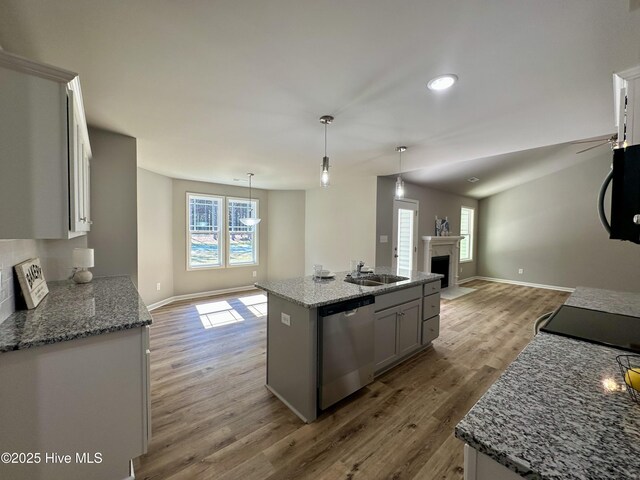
73, 311
622, 303
312, 293
549, 416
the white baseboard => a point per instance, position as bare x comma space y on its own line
515, 282
190, 296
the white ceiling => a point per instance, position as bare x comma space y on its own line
214, 89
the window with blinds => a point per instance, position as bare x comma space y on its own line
405, 239
466, 231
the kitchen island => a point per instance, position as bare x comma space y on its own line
386, 324
552, 416
75, 376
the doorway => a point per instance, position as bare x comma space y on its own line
405, 235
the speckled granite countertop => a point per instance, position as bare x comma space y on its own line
622, 303
72, 311
311, 293
549, 417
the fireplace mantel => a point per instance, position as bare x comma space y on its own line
440, 246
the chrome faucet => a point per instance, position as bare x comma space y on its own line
359, 267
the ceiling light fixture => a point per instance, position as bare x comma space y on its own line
324, 177
442, 82
399, 181
472, 179
250, 220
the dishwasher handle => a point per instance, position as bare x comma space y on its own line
346, 306
351, 313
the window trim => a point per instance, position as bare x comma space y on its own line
471, 235
222, 241
256, 234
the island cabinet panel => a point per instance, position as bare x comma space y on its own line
386, 343
397, 333
84, 396
292, 355
430, 330
409, 324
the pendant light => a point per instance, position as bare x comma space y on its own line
324, 177
250, 220
399, 181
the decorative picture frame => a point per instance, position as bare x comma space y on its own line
31, 278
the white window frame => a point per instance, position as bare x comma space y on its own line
221, 226
256, 233
470, 235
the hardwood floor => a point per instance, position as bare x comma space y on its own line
214, 419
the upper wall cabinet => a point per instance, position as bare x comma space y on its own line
626, 90
44, 152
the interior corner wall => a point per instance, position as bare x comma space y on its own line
340, 225
432, 202
286, 234
550, 228
213, 279
155, 236
114, 232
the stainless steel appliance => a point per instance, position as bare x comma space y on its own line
346, 346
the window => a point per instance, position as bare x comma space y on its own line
204, 227
466, 231
242, 239
210, 240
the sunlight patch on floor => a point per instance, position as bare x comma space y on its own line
212, 307
257, 304
218, 319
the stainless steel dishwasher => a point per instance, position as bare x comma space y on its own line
346, 349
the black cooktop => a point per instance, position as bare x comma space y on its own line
610, 329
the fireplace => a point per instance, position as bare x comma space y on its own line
440, 265
448, 247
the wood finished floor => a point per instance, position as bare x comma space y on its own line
214, 419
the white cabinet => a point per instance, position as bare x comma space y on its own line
397, 328
44, 152
478, 466
84, 395
626, 86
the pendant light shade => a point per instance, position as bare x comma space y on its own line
250, 221
399, 181
324, 176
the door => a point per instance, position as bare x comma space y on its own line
405, 235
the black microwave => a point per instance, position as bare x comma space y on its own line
625, 194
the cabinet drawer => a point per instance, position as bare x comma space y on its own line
431, 288
398, 297
430, 306
430, 330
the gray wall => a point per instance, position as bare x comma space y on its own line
549, 227
286, 234
185, 281
114, 204
432, 202
155, 230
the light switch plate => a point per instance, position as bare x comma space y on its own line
286, 319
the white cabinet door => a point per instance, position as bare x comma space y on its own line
79, 173
409, 325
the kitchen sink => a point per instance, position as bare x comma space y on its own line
386, 278
375, 280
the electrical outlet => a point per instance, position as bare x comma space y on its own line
158, 286
255, 274
384, 239
520, 271
286, 319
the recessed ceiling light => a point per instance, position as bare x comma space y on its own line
473, 179
442, 82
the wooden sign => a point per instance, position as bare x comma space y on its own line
32, 282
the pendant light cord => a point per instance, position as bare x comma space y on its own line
325, 139
400, 174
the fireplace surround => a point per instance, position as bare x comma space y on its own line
442, 246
